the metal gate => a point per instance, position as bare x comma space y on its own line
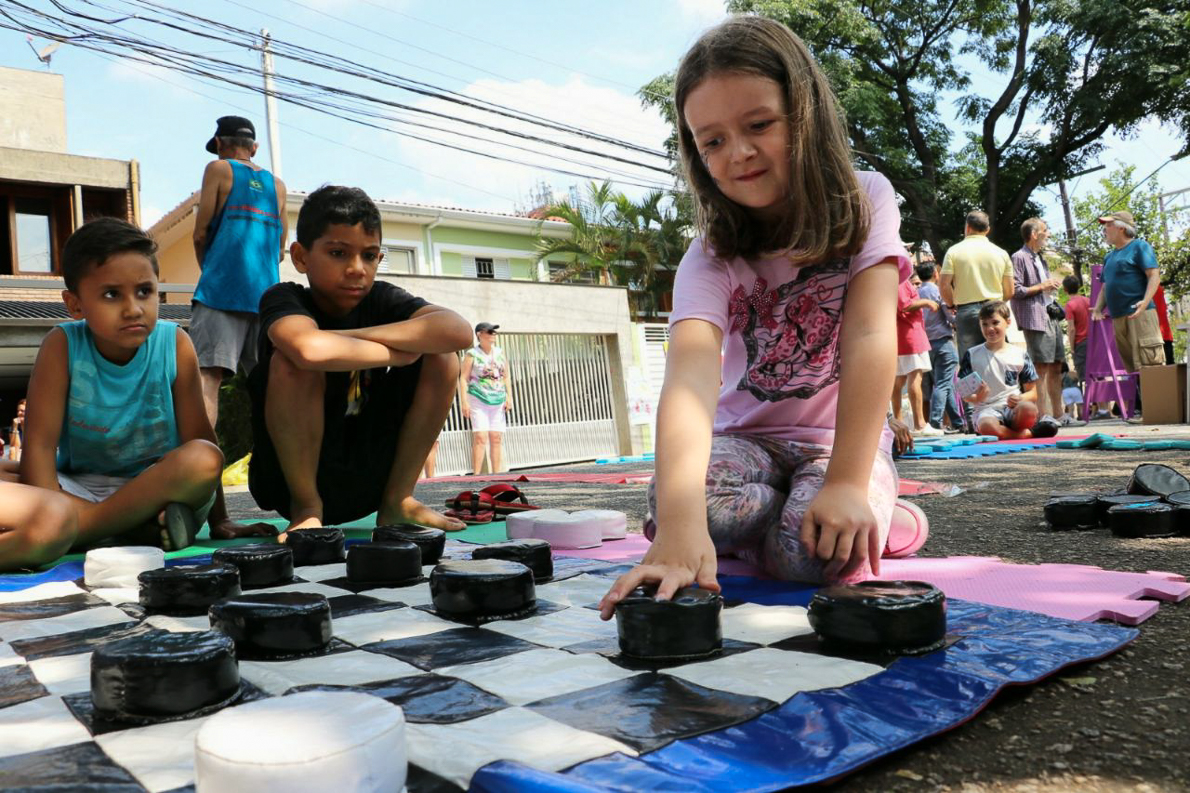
562, 405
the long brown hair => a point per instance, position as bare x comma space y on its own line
827, 210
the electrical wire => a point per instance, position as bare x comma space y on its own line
166, 56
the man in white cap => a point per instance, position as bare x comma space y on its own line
1130, 278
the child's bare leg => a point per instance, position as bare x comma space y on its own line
36, 526
422, 423
10, 471
188, 475
1024, 417
293, 415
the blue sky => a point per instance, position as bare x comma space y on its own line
575, 63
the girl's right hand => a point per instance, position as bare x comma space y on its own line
671, 568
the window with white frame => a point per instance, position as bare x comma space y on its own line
487, 267
397, 259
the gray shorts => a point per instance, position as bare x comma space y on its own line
224, 339
100, 487
1046, 346
1005, 415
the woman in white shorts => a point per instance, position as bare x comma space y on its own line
485, 390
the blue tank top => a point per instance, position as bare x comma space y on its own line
119, 420
241, 259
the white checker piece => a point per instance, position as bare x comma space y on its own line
526, 677
54, 589
322, 572
161, 756
98, 617
752, 622
774, 674
43, 723
513, 734
347, 669
383, 626
559, 629
63, 674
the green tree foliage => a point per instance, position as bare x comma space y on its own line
1062, 74
1167, 232
637, 244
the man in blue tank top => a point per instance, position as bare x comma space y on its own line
239, 240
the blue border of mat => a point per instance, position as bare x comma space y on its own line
821, 735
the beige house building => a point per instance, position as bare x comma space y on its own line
45, 194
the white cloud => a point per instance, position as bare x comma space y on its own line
607, 111
704, 12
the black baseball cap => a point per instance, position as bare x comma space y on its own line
486, 327
230, 127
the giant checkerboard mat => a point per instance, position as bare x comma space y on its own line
543, 702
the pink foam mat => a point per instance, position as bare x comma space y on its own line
1071, 591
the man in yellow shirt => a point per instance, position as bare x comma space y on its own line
975, 271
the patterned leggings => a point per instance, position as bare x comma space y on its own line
758, 489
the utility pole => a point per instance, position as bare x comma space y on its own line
270, 101
1071, 234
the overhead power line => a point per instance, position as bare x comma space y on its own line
320, 97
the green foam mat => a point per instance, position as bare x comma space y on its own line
479, 534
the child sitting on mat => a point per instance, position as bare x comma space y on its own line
115, 415
795, 280
355, 378
1005, 403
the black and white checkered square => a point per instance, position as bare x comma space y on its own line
548, 690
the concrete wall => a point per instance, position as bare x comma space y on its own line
34, 114
46, 167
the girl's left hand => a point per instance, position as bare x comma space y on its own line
840, 529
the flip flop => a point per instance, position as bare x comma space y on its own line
504, 499
181, 525
471, 507
909, 530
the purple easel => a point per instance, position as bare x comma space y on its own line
1104, 374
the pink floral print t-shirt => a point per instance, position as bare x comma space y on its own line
781, 327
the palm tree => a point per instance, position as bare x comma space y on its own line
637, 244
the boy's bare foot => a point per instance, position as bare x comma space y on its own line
410, 510
301, 521
230, 530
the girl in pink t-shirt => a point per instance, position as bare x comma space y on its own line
795, 281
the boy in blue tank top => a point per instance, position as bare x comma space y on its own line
356, 377
239, 239
115, 419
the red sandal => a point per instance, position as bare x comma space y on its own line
504, 498
471, 507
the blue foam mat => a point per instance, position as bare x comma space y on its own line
978, 450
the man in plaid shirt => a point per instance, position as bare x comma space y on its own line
1033, 290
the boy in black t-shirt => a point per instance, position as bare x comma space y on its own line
355, 378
